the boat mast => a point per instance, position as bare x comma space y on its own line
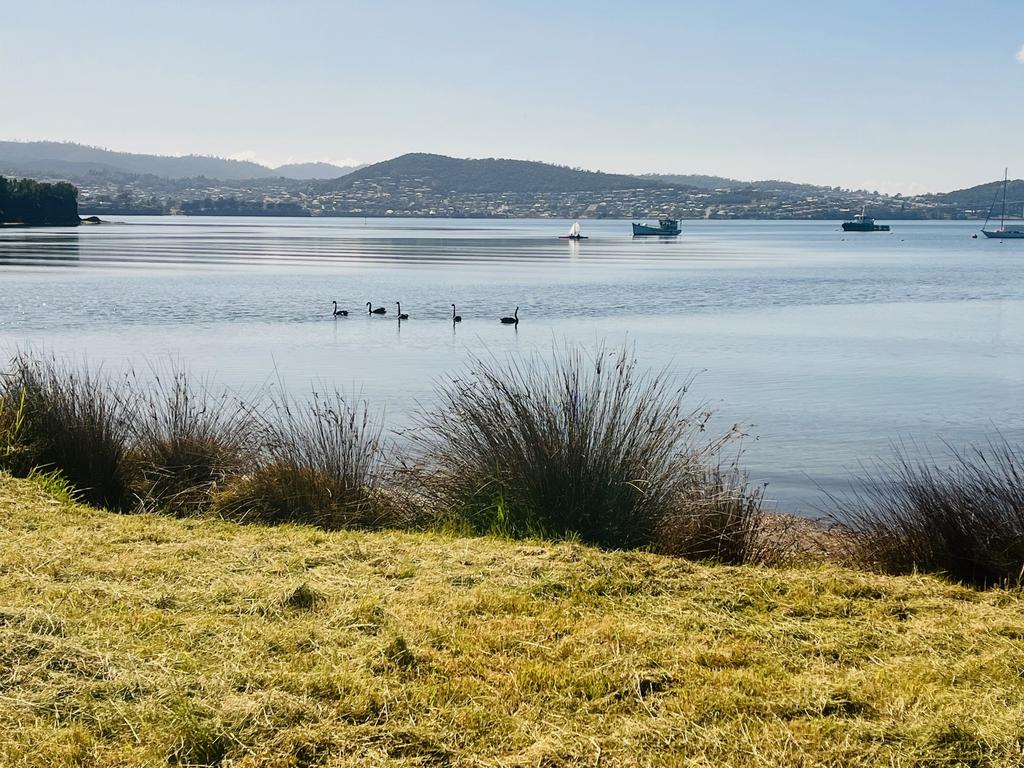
991, 207
1002, 216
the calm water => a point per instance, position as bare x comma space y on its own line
830, 346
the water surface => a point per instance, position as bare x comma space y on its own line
829, 346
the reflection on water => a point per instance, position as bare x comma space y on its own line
39, 247
831, 345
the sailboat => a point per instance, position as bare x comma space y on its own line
1004, 232
574, 233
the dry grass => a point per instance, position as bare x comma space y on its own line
149, 640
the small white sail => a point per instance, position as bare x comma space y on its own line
574, 230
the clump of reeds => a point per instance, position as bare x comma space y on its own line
964, 520
718, 516
321, 463
187, 442
581, 445
70, 419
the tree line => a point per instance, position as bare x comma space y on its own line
232, 206
26, 201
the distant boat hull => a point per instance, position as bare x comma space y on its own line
856, 226
1004, 234
572, 237
642, 230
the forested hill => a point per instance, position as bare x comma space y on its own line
24, 201
439, 173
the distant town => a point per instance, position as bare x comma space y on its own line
111, 183
384, 196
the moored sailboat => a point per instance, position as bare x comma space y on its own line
1004, 232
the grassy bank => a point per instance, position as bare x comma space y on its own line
151, 640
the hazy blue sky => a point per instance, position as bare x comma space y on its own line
904, 95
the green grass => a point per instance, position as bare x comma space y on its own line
149, 640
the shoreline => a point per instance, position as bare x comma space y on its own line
419, 215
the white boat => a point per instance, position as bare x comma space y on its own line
1004, 232
574, 233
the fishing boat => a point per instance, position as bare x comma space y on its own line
665, 228
864, 223
1004, 232
574, 233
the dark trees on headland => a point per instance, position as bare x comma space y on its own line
26, 201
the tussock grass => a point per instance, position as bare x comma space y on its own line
321, 463
150, 640
586, 446
70, 419
964, 519
187, 441
719, 517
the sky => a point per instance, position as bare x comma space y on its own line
901, 96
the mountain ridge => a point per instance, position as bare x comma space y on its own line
441, 173
437, 185
56, 157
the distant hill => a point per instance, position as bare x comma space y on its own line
310, 171
980, 197
696, 180
438, 173
41, 156
702, 181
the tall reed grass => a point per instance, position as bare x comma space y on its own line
187, 441
964, 519
586, 446
321, 462
71, 419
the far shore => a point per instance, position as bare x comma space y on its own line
92, 219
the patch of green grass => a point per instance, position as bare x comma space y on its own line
55, 485
150, 640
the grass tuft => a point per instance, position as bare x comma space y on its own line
304, 598
187, 442
72, 420
582, 446
322, 464
964, 520
54, 484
